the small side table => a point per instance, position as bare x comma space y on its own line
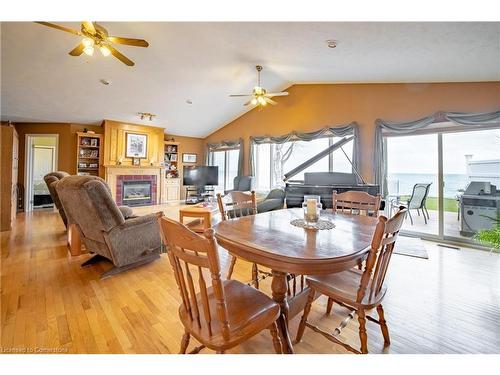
202, 213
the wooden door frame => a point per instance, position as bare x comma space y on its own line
28, 165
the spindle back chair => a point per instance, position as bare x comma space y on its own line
217, 315
359, 290
356, 203
234, 205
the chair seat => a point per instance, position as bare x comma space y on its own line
343, 287
249, 312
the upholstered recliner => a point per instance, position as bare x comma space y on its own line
127, 243
242, 183
51, 179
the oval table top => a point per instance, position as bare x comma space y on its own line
270, 240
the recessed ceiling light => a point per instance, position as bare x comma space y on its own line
331, 43
105, 82
189, 101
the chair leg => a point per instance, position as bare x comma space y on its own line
276, 340
184, 342
231, 267
418, 212
303, 320
255, 275
329, 306
427, 212
409, 215
362, 331
383, 325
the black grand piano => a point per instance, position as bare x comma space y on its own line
324, 183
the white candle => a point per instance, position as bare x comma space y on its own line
311, 208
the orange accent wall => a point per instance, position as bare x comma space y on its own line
67, 142
310, 107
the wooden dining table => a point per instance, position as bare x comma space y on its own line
270, 240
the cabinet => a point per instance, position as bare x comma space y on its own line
172, 189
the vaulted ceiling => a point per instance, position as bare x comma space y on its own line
205, 62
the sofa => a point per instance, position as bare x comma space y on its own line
275, 200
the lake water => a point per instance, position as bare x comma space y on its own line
452, 183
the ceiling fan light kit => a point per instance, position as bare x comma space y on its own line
259, 96
94, 35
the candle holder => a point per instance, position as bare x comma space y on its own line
312, 207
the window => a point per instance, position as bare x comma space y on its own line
272, 161
227, 161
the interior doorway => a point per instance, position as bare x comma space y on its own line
41, 158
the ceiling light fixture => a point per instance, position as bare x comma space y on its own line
145, 115
331, 43
104, 50
105, 82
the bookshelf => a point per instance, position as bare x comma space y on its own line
172, 173
89, 154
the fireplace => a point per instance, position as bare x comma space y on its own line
139, 190
136, 193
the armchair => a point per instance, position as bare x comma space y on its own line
127, 243
241, 183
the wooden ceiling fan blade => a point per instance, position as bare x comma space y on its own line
270, 101
237, 95
59, 27
128, 41
271, 94
78, 50
120, 56
89, 26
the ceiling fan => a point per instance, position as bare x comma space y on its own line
259, 96
94, 35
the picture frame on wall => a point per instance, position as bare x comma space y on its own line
136, 162
189, 158
136, 145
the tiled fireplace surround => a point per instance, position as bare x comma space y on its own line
115, 173
121, 178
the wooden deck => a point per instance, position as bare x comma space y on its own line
449, 303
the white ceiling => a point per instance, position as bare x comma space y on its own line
205, 62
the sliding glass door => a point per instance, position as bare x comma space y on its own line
412, 161
446, 160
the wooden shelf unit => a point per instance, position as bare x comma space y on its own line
89, 151
171, 159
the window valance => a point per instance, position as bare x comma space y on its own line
463, 120
224, 146
330, 131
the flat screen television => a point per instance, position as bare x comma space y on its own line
200, 176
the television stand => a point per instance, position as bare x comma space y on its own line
197, 194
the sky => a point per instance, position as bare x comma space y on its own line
419, 154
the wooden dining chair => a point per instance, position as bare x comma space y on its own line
224, 314
357, 290
234, 205
356, 203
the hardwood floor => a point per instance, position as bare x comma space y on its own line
449, 303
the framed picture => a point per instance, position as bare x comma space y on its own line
173, 157
136, 145
189, 158
93, 142
136, 161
